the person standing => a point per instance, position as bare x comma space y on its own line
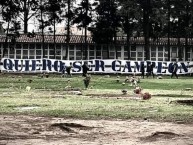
174, 70
85, 68
151, 70
150, 67
148, 70
68, 69
63, 70
142, 70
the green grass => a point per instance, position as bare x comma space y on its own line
49, 95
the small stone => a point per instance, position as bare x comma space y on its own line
28, 88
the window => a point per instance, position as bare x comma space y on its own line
153, 53
58, 50
98, 52
25, 54
25, 57
0, 49
78, 55
160, 54
160, 48
133, 52
38, 46
25, 46
84, 52
31, 46
51, 50
104, 52
91, 52
140, 59
133, 47
119, 55
139, 53
64, 52
31, 54
38, 57
165, 54
31, 51
51, 57
18, 46
118, 52
174, 54
71, 52
45, 50
112, 52
78, 52
11, 53
58, 57
125, 52
18, 53
91, 47
189, 54
38, 52
125, 55
153, 48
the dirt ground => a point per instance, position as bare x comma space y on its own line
30, 130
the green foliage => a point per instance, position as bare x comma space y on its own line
54, 9
10, 12
83, 14
107, 22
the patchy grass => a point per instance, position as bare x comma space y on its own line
49, 95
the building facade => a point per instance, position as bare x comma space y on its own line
31, 48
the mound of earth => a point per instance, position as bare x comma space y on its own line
160, 136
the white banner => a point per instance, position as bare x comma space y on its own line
95, 66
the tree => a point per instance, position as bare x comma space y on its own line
10, 12
158, 18
54, 16
130, 15
187, 18
43, 22
168, 26
83, 17
69, 16
146, 6
106, 24
181, 23
28, 9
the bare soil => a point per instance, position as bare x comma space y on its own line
31, 130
